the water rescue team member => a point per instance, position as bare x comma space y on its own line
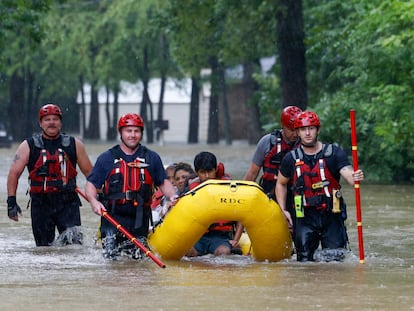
221, 237
126, 174
51, 158
315, 169
271, 149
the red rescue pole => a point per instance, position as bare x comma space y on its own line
356, 186
125, 232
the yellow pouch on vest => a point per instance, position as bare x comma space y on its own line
336, 201
299, 206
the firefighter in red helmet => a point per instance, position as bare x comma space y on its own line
127, 175
50, 109
313, 171
271, 148
51, 158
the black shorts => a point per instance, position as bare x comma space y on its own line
53, 211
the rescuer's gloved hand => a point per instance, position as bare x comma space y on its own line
13, 209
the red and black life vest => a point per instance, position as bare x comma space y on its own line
129, 182
315, 184
222, 225
52, 164
271, 164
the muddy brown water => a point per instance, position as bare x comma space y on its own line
77, 278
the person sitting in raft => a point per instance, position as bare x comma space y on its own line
219, 239
182, 174
159, 204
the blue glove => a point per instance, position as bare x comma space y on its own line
13, 209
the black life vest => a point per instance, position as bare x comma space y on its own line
271, 164
52, 164
315, 184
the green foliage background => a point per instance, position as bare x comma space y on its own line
359, 56
368, 50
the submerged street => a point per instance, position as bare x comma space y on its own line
78, 278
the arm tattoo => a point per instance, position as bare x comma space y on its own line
349, 167
16, 158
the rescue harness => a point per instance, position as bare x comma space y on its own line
128, 181
128, 187
52, 171
314, 186
273, 159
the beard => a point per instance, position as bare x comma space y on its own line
49, 134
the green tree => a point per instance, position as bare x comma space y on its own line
21, 32
366, 55
139, 35
196, 43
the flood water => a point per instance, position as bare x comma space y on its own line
77, 278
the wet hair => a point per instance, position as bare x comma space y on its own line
182, 166
170, 171
171, 166
205, 161
185, 167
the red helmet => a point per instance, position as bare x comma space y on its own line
288, 116
48, 110
307, 118
130, 119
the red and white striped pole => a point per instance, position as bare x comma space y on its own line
356, 187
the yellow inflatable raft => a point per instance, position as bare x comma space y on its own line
216, 200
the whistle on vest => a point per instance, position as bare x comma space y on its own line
299, 206
336, 201
138, 164
320, 185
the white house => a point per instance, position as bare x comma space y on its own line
176, 106
176, 103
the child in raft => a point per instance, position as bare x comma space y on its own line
220, 238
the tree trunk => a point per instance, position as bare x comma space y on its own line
38, 92
160, 115
194, 110
83, 107
213, 120
114, 125
108, 114
93, 129
146, 101
31, 123
16, 106
250, 86
224, 106
165, 61
291, 47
